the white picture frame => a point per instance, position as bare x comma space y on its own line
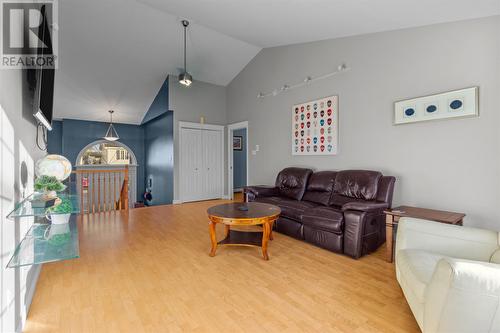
315, 127
453, 104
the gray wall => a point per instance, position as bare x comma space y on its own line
17, 145
240, 161
189, 104
450, 164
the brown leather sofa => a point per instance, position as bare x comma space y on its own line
341, 211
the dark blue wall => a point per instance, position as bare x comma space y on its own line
240, 161
54, 139
74, 135
159, 152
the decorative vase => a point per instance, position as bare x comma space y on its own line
53, 165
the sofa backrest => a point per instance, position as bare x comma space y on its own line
359, 184
320, 187
292, 182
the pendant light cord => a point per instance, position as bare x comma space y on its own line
185, 24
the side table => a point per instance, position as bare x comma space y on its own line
393, 215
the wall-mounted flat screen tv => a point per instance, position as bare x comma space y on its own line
44, 89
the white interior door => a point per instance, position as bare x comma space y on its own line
191, 163
201, 163
212, 161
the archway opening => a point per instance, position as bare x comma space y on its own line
104, 152
102, 159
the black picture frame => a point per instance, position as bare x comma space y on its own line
237, 142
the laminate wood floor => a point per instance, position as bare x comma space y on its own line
150, 272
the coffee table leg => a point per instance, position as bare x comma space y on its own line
213, 238
227, 228
271, 230
265, 239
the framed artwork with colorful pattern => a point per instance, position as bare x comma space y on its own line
315, 127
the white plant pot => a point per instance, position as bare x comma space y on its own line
58, 218
50, 194
58, 229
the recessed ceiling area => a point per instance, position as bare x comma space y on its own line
268, 23
115, 54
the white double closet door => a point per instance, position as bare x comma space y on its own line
201, 163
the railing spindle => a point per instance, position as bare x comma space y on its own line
88, 194
99, 192
93, 193
79, 180
125, 184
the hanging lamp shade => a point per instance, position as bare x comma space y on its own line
185, 78
111, 134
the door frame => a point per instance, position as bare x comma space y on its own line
185, 124
230, 129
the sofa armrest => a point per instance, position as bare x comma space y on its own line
463, 296
368, 206
252, 192
449, 240
364, 232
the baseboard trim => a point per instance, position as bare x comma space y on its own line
226, 197
177, 202
30, 293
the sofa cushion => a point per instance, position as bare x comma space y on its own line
416, 268
320, 187
268, 200
324, 218
338, 200
292, 182
361, 184
294, 210
291, 209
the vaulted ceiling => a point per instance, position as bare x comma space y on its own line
115, 54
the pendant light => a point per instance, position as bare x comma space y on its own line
111, 134
185, 78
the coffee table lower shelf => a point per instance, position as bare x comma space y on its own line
237, 237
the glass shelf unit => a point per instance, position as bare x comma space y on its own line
24, 208
45, 242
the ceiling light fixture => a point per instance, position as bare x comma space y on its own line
111, 134
307, 80
185, 78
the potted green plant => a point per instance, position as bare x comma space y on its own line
49, 185
60, 214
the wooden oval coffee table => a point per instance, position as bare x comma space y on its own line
243, 214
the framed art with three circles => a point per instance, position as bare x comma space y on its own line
453, 104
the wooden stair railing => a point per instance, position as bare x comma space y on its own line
123, 200
102, 190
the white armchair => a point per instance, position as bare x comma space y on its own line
450, 276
